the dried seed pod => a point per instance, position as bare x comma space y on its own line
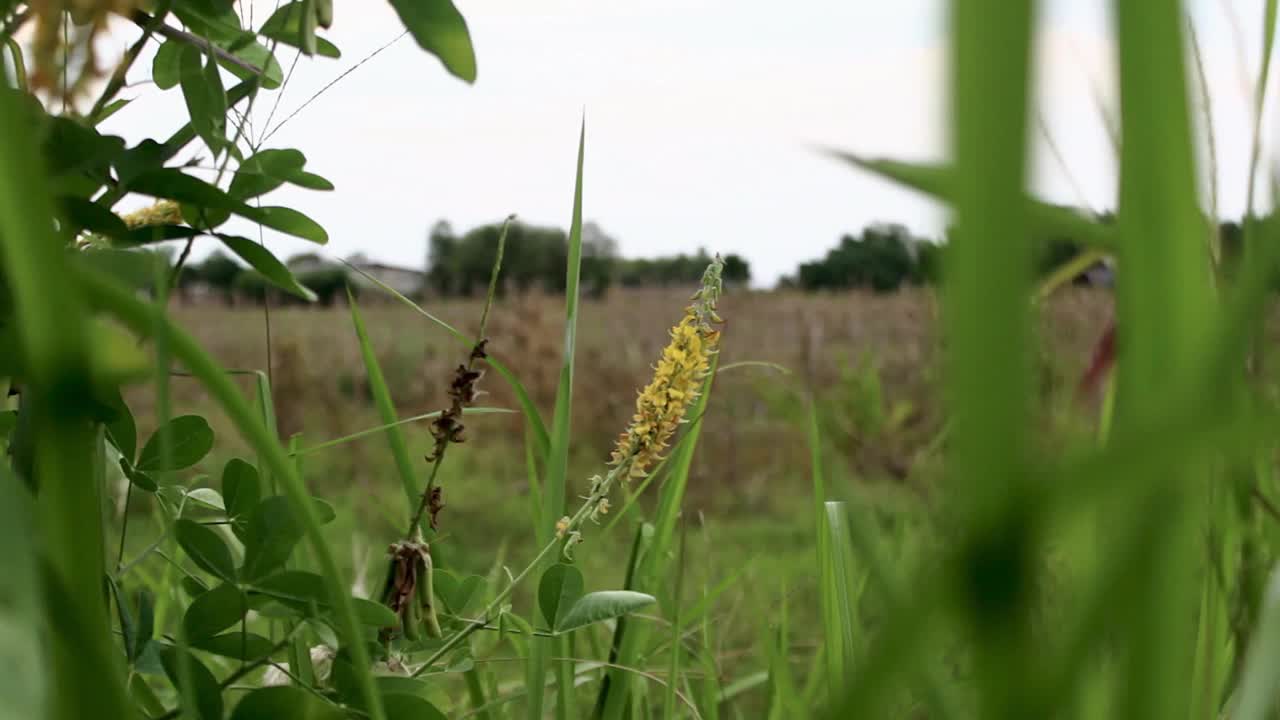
426, 597
410, 621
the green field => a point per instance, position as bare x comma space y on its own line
699, 503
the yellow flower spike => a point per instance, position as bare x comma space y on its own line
164, 212
678, 375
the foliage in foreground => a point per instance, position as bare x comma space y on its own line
1160, 533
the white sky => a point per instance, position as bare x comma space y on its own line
701, 120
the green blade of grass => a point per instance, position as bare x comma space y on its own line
386, 411
836, 593
1044, 220
784, 698
1256, 697
527, 407
267, 409
23, 688
52, 325
554, 480
1163, 306
673, 671
989, 340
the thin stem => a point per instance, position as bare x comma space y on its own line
266, 297
443, 439
153, 547
383, 428
601, 490
493, 275
333, 82
425, 500
176, 274
118, 77
124, 526
142, 19
237, 675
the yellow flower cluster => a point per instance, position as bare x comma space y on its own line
164, 212
661, 406
65, 53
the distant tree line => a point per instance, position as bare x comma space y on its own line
885, 257
228, 280
535, 257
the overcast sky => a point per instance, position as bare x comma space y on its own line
701, 120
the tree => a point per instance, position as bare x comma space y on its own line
442, 245
737, 271
882, 258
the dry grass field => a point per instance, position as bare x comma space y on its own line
871, 362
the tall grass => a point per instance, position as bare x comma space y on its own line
1121, 577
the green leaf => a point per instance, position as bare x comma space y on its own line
158, 233
92, 217
560, 587
267, 170
216, 19
603, 605
8, 421
144, 696
258, 56
176, 185
214, 611
235, 645
207, 497
173, 184
141, 480
241, 491
75, 150
146, 156
284, 703
264, 262
285, 26
204, 686
135, 269
402, 706
440, 30
288, 221
193, 587
188, 438
205, 96
205, 548
387, 412
110, 109
299, 586
374, 614
300, 590
272, 533
454, 593
121, 430
135, 637
166, 68
325, 513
